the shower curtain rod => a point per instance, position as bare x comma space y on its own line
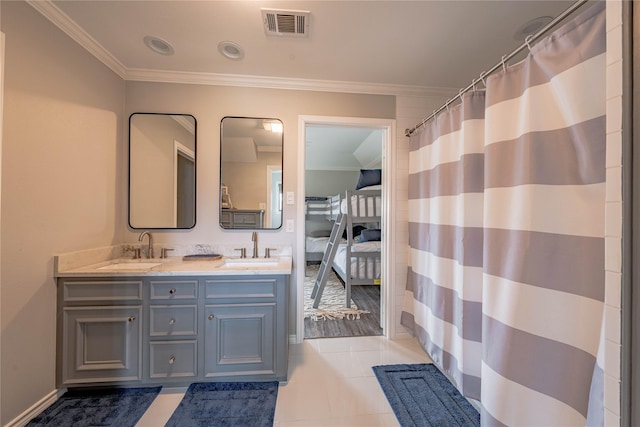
526, 45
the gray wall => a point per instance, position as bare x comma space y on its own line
329, 183
61, 187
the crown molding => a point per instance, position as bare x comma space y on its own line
214, 79
73, 30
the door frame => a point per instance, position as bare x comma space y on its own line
630, 351
271, 169
387, 292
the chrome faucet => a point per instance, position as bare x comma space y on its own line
150, 248
254, 239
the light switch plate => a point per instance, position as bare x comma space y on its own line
289, 197
289, 226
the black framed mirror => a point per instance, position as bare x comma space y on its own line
251, 173
162, 171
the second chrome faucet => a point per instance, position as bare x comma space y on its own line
254, 254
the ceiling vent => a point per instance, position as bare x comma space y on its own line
286, 23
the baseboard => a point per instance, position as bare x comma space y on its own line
35, 409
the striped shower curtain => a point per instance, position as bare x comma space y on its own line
505, 288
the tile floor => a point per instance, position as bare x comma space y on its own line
330, 384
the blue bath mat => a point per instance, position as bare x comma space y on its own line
421, 395
227, 404
119, 407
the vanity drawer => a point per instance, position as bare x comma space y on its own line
171, 290
264, 287
101, 290
171, 359
171, 320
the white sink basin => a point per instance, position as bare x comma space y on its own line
249, 263
130, 266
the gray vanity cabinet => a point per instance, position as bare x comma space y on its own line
242, 218
172, 330
245, 332
100, 322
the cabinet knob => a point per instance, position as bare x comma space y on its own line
211, 317
172, 321
171, 360
172, 291
131, 318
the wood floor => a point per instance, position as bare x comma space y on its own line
366, 297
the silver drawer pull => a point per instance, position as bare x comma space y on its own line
172, 291
171, 360
211, 317
172, 321
131, 318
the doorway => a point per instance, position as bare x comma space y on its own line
184, 201
384, 128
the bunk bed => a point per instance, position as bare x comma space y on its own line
356, 261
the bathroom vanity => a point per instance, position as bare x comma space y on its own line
173, 322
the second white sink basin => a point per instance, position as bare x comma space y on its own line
130, 266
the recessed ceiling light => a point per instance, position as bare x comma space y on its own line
231, 50
158, 45
531, 27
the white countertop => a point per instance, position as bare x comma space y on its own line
176, 266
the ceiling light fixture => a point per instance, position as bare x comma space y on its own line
231, 50
272, 126
158, 45
531, 27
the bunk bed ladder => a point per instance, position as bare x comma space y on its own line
327, 258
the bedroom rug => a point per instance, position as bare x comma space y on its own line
421, 395
332, 305
119, 407
227, 404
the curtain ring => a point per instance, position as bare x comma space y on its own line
482, 76
473, 84
527, 40
446, 104
460, 94
504, 65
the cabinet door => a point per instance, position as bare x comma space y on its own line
101, 344
239, 340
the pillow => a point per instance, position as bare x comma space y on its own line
370, 235
369, 177
320, 233
357, 229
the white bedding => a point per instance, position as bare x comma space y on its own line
363, 270
370, 206
316, 244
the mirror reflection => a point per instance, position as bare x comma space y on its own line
162, 171
251, 173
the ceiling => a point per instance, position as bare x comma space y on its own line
359, 46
